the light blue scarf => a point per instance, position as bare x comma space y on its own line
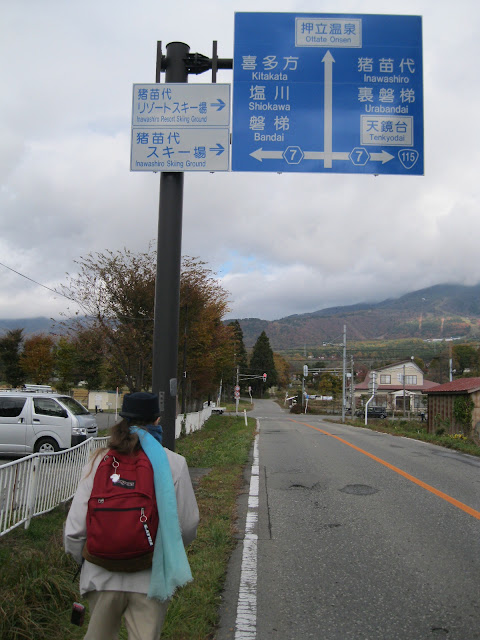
170, 568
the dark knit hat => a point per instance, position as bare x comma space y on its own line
141, 405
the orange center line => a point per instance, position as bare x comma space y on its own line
424, 485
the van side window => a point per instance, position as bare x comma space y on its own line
11, 407
48, 407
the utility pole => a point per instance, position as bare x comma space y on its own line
352, 390
237, 392
404, 401
344, 369
184, 372
450, 362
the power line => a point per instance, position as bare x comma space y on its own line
58, 293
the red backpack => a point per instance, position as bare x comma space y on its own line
122, 515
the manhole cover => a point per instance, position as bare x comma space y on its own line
359, 490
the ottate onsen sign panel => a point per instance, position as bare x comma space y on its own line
328, 93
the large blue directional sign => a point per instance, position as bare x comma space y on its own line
328, 93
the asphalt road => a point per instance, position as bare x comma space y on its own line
361, 535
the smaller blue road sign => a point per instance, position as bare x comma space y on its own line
328, 93
180, 127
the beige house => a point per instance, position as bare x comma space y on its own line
394, 383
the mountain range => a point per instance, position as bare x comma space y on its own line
441, 311
438, 312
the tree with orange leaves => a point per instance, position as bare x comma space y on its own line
37, 359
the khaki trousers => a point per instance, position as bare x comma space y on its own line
143, 617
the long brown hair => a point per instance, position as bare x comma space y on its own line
122, 440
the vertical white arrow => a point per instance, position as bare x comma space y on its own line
328, 61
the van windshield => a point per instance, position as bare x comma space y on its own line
75, 407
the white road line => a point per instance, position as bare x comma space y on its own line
246, 622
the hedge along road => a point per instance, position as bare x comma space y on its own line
360, 535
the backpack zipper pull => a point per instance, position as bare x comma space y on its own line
115, 477
143, 520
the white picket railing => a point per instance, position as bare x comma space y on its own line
40, 482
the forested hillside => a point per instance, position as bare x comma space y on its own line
441, 311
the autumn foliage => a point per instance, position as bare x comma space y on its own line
116, 291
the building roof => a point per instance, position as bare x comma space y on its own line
461, 385
396, 365
426, 386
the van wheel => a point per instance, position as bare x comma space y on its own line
46, 445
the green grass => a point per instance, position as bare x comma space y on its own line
242, 404
222, 445
36, 577
36, 587
418, 431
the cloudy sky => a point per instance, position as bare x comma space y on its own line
281, 244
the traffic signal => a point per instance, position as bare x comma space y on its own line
264, 377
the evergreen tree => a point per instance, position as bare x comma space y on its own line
10, 356
466, 356
330, 385
66, 365
262, 362
241, 359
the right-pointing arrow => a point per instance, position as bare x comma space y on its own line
382, 157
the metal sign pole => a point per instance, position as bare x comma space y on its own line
167, 285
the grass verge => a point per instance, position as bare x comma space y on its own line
36, 586
242, 404
418, 431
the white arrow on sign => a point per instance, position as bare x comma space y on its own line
262, 154
382, 157
327, 155
327, 110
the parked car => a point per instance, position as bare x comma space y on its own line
372, 412
42, 422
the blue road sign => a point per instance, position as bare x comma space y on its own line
328, 93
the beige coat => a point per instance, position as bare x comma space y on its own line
95, 578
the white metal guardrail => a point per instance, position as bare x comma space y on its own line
40, 482
193, 421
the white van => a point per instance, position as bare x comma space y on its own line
42, 422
